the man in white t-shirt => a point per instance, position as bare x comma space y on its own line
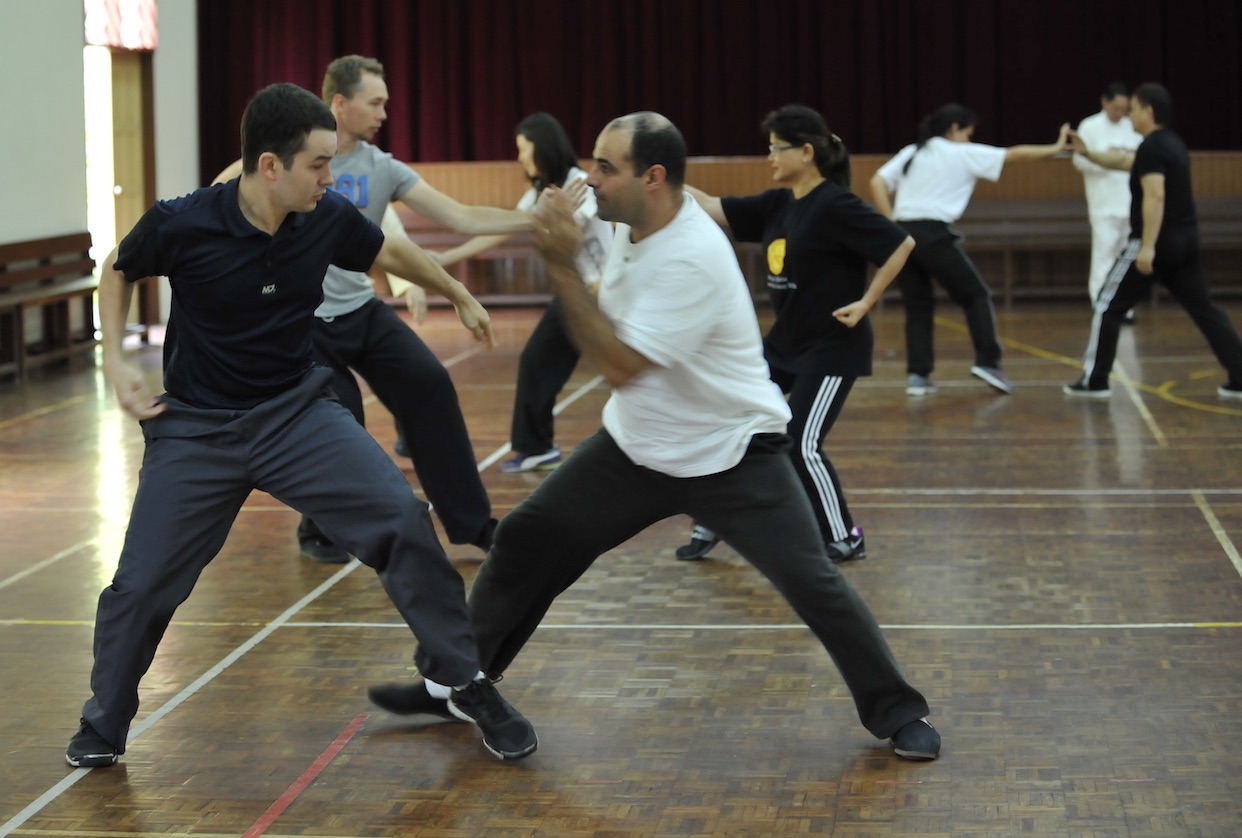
1108, 190
694, 426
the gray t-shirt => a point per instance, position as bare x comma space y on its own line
370, 179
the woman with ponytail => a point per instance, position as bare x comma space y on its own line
933, 180
818, 238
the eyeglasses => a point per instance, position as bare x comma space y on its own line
773, 149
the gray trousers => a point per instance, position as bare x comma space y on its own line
598, 498
306, 450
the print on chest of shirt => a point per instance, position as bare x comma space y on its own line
354, 188
776, 266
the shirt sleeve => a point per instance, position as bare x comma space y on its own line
747, 216
892, 171
359, 239
140, 253
983, 161
861, 229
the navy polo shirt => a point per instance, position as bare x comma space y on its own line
243, 302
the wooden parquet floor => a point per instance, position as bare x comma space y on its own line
1061, 578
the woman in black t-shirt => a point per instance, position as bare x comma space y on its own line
818, 239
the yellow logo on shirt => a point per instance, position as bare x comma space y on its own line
776, 257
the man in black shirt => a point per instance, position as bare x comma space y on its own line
245, 407
1164, 245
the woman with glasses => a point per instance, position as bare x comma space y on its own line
549, 357
818, 238
934, 179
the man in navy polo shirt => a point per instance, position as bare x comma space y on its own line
245, 407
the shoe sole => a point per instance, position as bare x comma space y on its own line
1000, 385
856, 556
696, 555
1087, 394
919, 755
506, 755
1228, 394
92, 760
437, 710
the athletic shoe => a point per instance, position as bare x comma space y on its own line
1229, 391
87, 749
318, 547
400, 448
993, 377
920, 385
702, 540
506, 732
520, 462
916, 740
409, 699
1082, 389
849, 548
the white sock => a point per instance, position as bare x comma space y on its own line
440, 691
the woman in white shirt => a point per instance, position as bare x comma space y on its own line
549, 357
933, 180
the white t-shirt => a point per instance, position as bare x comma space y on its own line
941, 178
1108, 190
678, 298
596, 234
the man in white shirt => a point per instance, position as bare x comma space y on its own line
694, 426
1108, 190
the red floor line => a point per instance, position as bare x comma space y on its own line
299, 785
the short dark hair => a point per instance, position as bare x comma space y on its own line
554, 153
1113, 90
1155, 96
655, 141
799, 125
344, 75
278, 119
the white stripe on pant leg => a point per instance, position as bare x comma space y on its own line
808, 448
1111, 283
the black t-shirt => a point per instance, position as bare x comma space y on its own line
817, 250
1163, 152
243, 302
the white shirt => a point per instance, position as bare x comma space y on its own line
596, 234
941, 178
1108, 190
679, 299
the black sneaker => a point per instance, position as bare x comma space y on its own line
87, 749
850, 548
702, 540
506, 732
916, 740
1229, 391
410, 699
316, 546
1082, 389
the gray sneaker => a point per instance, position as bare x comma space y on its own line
993, 377
920, 385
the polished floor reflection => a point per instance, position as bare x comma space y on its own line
1061, 578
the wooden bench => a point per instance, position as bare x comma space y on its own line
53, 277
1028, 232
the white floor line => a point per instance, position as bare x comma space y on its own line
1137, 401
802, 626
500, 452
170, 705
48, 562
1218, 530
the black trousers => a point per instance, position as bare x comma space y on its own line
937, 253
303, 448
411, 382
1179, 268
547, 362
599, 498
